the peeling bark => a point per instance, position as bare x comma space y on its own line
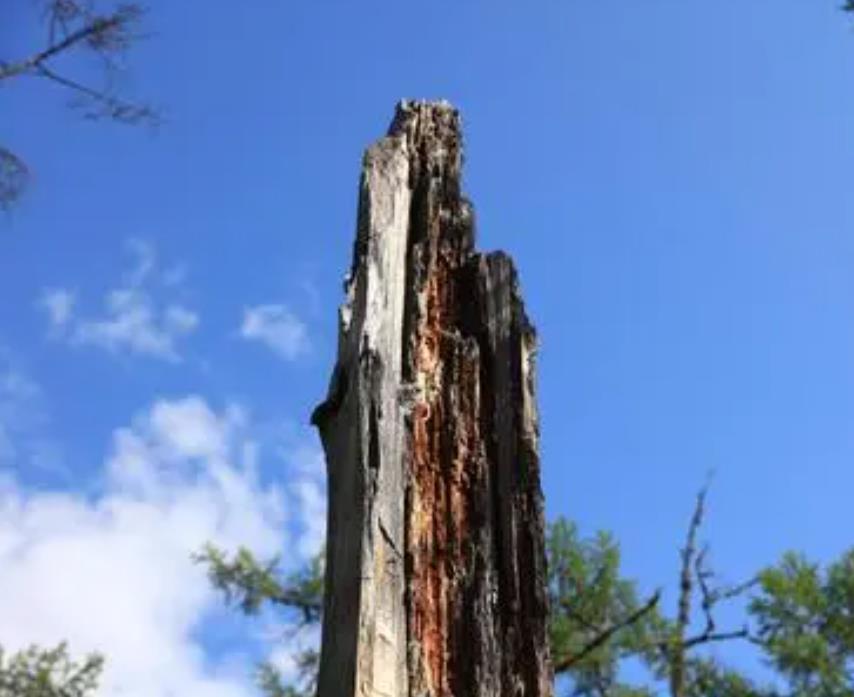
435, 569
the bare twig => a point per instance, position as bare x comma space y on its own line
675, 648
73, 26
113, 107
683, 617
710, 637
703, 575
734, 591
10, 70
106, 36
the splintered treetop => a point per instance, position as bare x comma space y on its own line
436, 581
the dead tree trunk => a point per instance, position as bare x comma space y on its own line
435, 577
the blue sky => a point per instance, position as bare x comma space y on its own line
672, 178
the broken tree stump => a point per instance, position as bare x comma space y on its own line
435, 574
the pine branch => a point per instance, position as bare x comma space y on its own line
605, 635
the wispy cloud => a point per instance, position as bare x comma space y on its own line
137, 317
278, 328
58, 303
24, 421
133, 323
20, 409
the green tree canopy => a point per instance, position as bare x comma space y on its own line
38, 672
805, 621
799, 615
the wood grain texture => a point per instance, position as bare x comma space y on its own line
435, 557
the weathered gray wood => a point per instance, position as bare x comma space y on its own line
435, 558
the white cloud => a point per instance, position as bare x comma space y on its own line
58, 303
113, 573
307, 488
180, 320
136, 318
191, 430
277, 327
